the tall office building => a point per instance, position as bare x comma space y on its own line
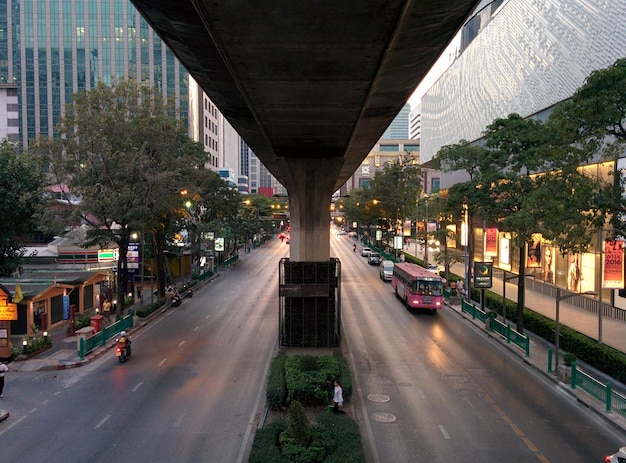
51, 49
399, 127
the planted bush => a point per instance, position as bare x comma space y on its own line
310, 387
276, 384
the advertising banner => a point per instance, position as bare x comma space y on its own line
406, 230
483, 274
533, 257
613, 264
491, 242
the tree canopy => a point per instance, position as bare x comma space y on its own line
22, 200
123, 152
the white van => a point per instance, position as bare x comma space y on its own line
386, 270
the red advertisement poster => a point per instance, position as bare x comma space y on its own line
613, 264
491, 242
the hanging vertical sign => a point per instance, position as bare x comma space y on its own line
613, 264
491, 242
406, 230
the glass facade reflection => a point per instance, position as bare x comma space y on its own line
530, 55
53, 48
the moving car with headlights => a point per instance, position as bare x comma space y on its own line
374, 258
619, 457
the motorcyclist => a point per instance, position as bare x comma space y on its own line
354, 248
124, 341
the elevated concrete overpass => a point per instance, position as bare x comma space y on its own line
309, 85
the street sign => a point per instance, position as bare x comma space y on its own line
483, 274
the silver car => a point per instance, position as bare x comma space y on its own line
386, 270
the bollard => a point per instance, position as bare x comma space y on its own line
81, 349
609, 396
549, 360
573, 385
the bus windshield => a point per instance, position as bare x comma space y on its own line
427, 287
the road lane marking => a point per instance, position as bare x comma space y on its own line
518, 432
444, 432
34, 410
180, 344
12, 424
196, 328
162, 362
179, 421
137, 386
45, 402
102, 421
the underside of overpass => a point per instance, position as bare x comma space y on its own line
309, 85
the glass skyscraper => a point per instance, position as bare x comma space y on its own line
50, 49
399, 127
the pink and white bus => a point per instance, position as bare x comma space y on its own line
417, 287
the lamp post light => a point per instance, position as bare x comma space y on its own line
560, 298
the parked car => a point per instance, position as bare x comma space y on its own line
365, 252
386, 270
373, 258
619, 457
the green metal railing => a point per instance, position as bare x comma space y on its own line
99, 339
474, 311
511, 336
231, 261
613, 401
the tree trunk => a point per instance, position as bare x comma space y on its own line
159, 253
122, 273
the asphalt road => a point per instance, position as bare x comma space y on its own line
192, 392
433, 388
429, 388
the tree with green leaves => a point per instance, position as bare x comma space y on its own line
396, 188
21, 200
509, 190
124, 153
593, 123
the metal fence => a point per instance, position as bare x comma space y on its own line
613, 401
86, 345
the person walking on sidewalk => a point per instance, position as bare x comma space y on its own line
3, 369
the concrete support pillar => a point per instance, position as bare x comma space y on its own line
310, 185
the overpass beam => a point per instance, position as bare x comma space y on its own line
310, 184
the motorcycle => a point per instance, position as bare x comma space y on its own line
176, 300
121, 351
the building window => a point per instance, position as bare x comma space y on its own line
389, 148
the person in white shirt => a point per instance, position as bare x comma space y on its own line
337, 398
3, 369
